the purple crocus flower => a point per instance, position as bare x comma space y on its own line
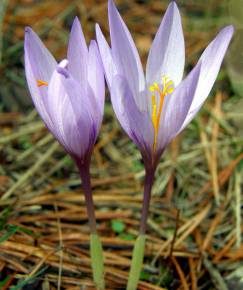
69, 97
155, 107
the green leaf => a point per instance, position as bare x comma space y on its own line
68, 161
165, 276
144, 276
28, 280
4, 217
118, 226
25, 142
26, 231
11, 230
137, 262
4, 281
127, 237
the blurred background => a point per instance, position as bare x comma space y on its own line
195, 230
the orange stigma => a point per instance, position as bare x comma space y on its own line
41, 83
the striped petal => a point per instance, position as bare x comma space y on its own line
210, 63
39, 67
77, 55
106, 56
176, 108
96, 77
125, 55
136, 123
167, 53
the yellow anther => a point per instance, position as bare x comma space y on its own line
164, 80
41, 83
168, 84
151, 88
170, 90
156, 86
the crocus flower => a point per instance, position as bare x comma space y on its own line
155, 107
69, 97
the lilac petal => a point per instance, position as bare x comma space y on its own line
176, 108
118, 105
77, 54
106, 57
39, 65
167, 53
125, 54
55, 103
84, 106
96, 76
137, 124
42, 62
69, 113
210, 60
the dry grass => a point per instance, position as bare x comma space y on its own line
195, 231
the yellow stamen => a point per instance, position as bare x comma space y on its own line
167, 88
154, 110
41, 83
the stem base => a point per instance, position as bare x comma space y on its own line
97, 261
137, 262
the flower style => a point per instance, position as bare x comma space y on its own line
154, 109
69, 96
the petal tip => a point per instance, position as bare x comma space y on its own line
76, 24
227, 32
111, 6
173, 5
98, 32
93, 43
231, 28
111, 3
76, 21
64, 72
97, 27
28, 35
76, 32
63, 63
27, 29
